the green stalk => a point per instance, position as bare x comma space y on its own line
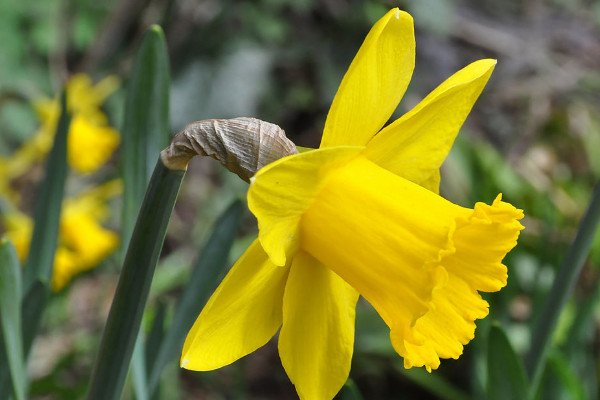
10, 317
37, 271
145, 133
561, 290
146, 123
202, 283
124, 319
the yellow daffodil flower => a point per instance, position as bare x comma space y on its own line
362, 215
82, 242
91, 141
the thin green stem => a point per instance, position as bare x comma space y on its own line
561, 290
124, 319
203, 281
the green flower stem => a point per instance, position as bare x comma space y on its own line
10, 317
146, 123
561, 290
126, 312
202, 283
145, 133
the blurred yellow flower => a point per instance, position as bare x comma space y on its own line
82, 242
91, 141
89, 145
362, 215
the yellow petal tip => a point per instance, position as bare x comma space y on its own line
184, 363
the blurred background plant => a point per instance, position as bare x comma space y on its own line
534, 135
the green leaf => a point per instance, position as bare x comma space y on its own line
562, 289
146, 123
153, 341
32, 309
138, 369
156, 335
126, 312
506, 374
40, 259
10, 317
202, 283
37, 272
560, 368
145, 133
33, 306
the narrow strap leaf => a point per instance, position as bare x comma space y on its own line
37, 271
560, 370
146, 123
40, 259
203, 281
124, 319
145, 133
506, 374
10, 317
138, 369
156, 334
562, 289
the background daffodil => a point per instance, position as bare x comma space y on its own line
91, 141
83, 242
361, 215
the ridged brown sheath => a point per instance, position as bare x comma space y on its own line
242, 145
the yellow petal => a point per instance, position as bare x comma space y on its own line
416, 144
432, 182
241, 316
412, 254
280, 192
90, 146
374, 83
317, 337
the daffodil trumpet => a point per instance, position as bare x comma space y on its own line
361, 215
